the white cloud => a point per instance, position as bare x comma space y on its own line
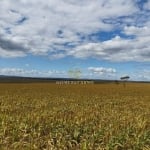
31, 72
137, 31
102, 70
119, 49
43, 27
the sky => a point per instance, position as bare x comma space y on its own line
95, 39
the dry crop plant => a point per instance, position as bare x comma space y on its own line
87, 117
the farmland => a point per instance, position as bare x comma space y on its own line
38, 116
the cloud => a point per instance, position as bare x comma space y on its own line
56, 29
36, 24
10, 48
102, 70
90, 72
116, 49
31, 72
143, 75
94, 72
147, 5
137, 31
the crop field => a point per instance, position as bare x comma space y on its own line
48, 116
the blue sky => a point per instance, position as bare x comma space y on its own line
101, 39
